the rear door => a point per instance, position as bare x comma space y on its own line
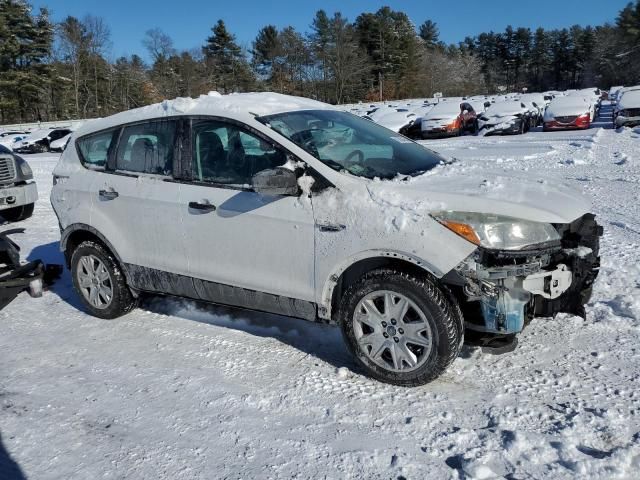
136, 205
233, 235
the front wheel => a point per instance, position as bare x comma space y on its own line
403, 329
99, 280
17, 214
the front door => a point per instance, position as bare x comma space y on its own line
235, 236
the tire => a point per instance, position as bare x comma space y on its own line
85, 265
17, 214
429, 310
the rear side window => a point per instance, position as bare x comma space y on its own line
94, 149
147, 148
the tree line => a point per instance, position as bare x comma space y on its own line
56, 71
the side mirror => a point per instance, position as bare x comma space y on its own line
276, 181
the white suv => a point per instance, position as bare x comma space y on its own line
286, 205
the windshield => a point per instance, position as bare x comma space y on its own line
344, 141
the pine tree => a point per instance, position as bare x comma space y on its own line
228, 67
266, 48
25, 43
429, 33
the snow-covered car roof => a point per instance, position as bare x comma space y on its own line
396, 119
39, 134
239, 106
630, 100
538, 98
587, 95
448, 108
505, 108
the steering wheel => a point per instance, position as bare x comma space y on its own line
355, 153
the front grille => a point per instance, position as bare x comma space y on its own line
7, 170
633, 112
570, 119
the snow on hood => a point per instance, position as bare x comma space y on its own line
504, 109
395, 120
504, 193
498, 192
37, 135
443, 111
630, 100
254, 104
566, 106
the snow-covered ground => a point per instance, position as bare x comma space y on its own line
180, 390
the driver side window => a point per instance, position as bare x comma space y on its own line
224, 153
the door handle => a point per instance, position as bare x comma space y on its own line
108, 194
202, 206
331, 227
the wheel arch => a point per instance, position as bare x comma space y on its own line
75, 234
357, 266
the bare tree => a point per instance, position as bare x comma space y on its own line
73, 48
158, 44
99, 42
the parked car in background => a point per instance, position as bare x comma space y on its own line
628, 110
613, 94
549, 96
445, 119
8, 138
392, 118
590, 97
18, 191
568, 113
60, 144
40, 140
537, 105
620, 95
281, 204
509, 117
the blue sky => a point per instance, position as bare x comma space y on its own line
189, 22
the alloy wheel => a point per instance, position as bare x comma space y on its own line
392, 331
94, 281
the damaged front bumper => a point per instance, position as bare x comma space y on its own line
501, 291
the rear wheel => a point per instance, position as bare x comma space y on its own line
99, 280
402, 329
17, 214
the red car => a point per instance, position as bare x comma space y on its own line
567, 113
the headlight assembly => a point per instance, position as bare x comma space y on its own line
497, 232
26, 170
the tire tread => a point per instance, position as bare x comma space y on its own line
450, 316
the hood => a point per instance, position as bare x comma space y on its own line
496, 192
569, 109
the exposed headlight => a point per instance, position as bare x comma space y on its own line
26, 170
498, 232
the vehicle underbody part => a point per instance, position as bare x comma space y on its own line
501, 291
16, 278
